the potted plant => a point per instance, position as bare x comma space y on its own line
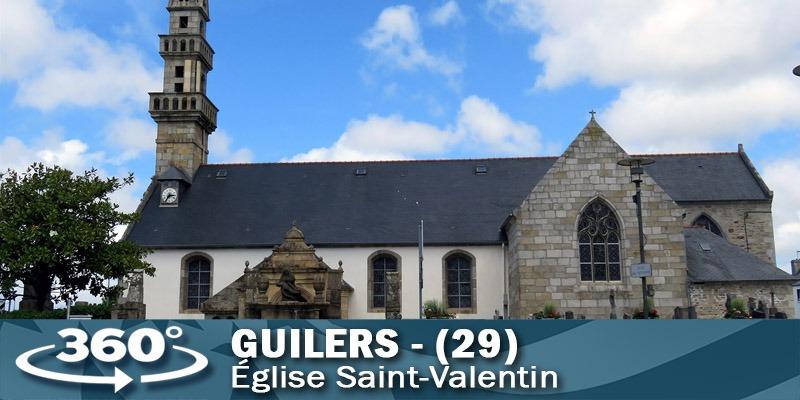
737, 309
434, 309
548, 312
651, 314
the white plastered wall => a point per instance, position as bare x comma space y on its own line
161, 292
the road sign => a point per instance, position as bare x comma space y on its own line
641, 270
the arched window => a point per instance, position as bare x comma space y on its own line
598, 243
379, 264
184, 103
156, 103
165, 102
459, 284
193, 103
175, 103
166, 45
191, 44
195, 282
703, 221
174, 45
183, 45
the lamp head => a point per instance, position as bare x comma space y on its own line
637, 166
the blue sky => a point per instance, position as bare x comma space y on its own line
321, 80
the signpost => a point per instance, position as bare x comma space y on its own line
642, 270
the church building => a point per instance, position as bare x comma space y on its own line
502, 236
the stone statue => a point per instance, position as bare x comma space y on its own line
613, 302
289, 291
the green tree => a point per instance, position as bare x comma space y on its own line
58, 228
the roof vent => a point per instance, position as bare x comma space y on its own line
222, 174
360, 172
481, 170
705, 246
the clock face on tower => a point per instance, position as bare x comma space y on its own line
169, 196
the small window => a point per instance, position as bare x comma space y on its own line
183, 45
183, 22
706, 223
380, 265
179, 87
156, 104
179, 71
197, 282
459, 290
166, 45
360, 172
481, 170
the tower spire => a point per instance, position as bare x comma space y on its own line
184, 114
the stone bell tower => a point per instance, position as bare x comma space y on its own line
185, 116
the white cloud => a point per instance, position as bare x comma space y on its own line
56, 66
479, 126
486, 126
131, 136
781, 177
50, 148
396, 41
690, 73
219, 149
382, 138
447, 13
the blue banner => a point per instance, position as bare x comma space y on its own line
244, 359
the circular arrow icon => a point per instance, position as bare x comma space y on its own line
120, 379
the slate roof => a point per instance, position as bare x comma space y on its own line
255, 203
723, 261
707, 177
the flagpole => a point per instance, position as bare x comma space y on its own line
421, 245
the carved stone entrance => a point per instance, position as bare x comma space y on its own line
292, 283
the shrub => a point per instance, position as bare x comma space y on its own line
738, 309
435, 309
550, 311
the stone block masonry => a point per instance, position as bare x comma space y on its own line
543, 242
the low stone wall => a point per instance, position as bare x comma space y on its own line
709, 298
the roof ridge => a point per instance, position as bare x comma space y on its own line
721, 153
708, 153
439, 160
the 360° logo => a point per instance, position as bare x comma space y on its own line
106, 346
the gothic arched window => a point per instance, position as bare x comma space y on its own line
379, 265
706, 223
195, 282
598, 243
459, 270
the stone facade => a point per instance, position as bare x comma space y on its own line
709, 298
747, 224
543, 242
182, 144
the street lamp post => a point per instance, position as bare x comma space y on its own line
637, 169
